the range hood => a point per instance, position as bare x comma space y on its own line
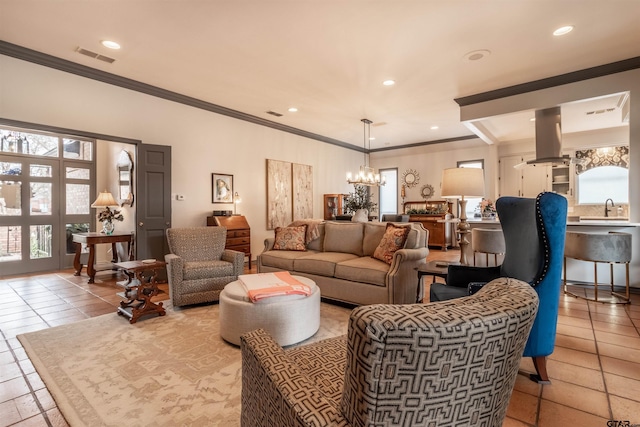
548, 139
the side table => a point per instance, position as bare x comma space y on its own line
91, 239
435, 269
138, 296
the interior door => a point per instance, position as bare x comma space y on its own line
154, 201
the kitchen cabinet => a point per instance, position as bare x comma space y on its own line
562, 180
527, 181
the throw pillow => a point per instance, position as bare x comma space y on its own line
394, 238
290, 238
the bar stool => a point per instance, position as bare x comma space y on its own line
487, 241
612, 248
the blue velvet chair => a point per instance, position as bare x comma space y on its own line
534, 232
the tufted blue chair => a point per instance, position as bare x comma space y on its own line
448, 364
534, 232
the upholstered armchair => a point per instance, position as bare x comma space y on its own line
447, 364
534, 233
199, 266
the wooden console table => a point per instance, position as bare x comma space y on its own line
138, 296
91, 239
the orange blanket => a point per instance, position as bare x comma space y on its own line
265, 285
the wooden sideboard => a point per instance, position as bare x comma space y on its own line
428, 213
238, 232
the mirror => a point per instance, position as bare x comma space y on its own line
125, 178
410, 178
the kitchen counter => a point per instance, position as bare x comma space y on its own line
590, 222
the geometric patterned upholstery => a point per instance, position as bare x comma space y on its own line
451, 363
199, 266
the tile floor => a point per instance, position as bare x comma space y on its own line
595, 368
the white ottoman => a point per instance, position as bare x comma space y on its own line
288, 319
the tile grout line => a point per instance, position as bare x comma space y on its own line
31, 390
604, 380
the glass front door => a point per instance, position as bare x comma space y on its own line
38, 202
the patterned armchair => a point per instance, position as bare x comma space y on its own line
199, 266
452, 363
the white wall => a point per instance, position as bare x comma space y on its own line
202, 142
429, 161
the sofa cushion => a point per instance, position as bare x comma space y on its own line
282, 260
343, 237
394, 238
363, 269
412, 239
317, 244
321, 263
373, 232
290, 238
194, 270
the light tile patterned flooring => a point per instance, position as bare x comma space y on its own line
595, 368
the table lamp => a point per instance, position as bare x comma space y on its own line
458, 183
236, 200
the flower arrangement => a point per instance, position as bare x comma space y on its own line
110, 215
487, 206
486, 209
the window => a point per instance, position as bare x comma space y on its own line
389, 192
472, 202
596, 185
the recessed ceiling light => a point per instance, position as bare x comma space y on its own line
476, 55
293, 109
532, 119
434, 127
110, 44
371, 138
389, 82
563, 30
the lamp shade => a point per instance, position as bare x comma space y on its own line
462, 182
104, 199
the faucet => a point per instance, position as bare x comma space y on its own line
606, 211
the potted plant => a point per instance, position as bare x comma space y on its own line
359, 203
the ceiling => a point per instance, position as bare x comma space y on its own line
329, 58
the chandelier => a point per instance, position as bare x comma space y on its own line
367, 175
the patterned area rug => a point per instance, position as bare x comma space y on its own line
162, 371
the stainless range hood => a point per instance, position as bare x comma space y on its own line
548, 139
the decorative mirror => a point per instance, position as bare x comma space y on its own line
426, 191
125, 178
410, 178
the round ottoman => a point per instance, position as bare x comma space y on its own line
288, 319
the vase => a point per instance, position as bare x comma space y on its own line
107, 227
361, 215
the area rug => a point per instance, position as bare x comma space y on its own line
173, 370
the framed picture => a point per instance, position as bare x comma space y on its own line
221, 188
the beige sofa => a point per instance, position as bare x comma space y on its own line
340, 261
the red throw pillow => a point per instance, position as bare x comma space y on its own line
290, 238
394, 238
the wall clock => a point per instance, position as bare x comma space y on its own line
410, 178
426, 191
